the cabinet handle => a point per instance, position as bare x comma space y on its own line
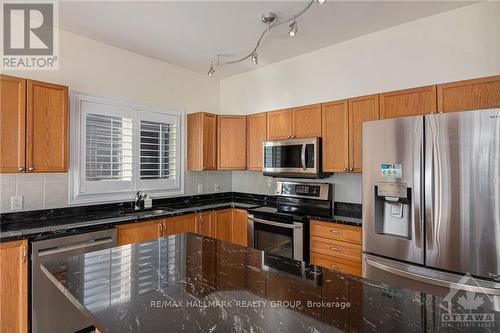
161, 229
334, 267
345, 169
204, 167
334, 248
31, 168
25, 253
336, 232
20, 169
351, 169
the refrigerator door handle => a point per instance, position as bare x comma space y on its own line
432, 280
430, 180
418, 152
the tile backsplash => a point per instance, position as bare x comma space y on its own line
346, 186
50, 190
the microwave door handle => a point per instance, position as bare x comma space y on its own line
303, 156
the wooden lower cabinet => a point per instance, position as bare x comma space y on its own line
139, 232
336, 246
223, 224
239, 232
179, 224
206, 223
14, 287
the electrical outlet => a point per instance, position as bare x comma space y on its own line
217, 188
200, 188
16, 202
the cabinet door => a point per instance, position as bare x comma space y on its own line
483, 93
239, 228
139, 232
180, 224
361, 109
279, 124
12, 123
306, 121
206, 224
202, 141
47, 127
223, 224
256, 135
13, 287
408, 102
335, 136
231, 143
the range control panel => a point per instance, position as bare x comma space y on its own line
318, 191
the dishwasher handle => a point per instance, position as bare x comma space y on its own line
77, 246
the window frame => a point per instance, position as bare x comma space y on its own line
107, 191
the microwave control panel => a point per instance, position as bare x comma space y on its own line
313, 191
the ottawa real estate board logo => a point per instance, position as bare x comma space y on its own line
463, 309
30, 35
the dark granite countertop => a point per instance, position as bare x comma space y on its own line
192, 283
57, 222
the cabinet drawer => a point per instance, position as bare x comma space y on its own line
345, 233
345, 266
335, 248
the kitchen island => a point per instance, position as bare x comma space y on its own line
192, 283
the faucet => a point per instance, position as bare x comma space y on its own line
139, 196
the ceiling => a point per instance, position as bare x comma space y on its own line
190, 34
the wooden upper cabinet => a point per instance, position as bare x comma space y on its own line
408, 102
361, 109
482, 93
202, 141
14, 287
306, 121
256, 135
180, 224
239, 232
231, 142
335, 136
279, 124
139, 232
47, 127
12, 123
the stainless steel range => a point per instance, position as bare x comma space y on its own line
283, 230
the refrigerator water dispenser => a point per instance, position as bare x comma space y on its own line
392, 209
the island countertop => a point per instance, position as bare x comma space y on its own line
192, 283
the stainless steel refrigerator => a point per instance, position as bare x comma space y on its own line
431, 201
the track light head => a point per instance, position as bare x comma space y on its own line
255, 59
294, 28
321, 2
211, 70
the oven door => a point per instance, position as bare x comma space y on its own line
291, 156
283, 239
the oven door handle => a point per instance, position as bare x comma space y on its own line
303, 156
276, 224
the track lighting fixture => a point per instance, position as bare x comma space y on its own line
271, 21
255, 59
293, 29
211, 70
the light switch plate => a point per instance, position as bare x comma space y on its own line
216, 187
200, 188
16, 202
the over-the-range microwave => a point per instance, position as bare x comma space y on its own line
297, 158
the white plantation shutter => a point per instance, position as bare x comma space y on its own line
158, 150
119, 148
108, 147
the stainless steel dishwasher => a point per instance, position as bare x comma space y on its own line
51, 311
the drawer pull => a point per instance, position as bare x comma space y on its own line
334, 248
336, 232
334, 266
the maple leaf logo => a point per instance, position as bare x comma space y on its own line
470, 301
